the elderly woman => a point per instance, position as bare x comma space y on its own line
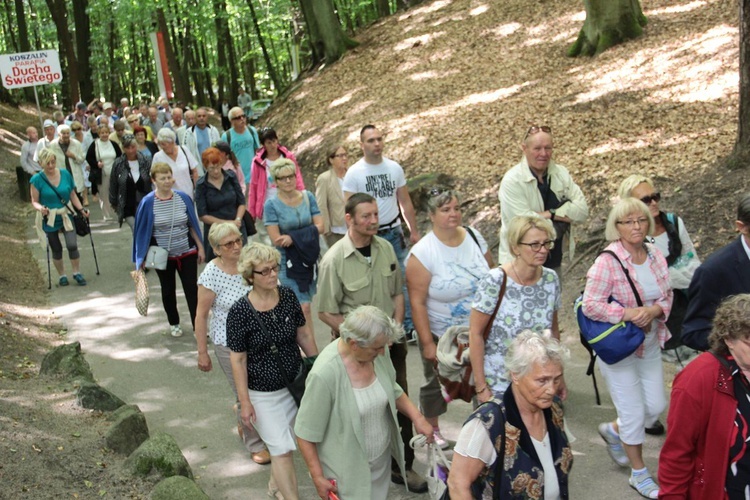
524, 427
636, 383
442, 273
268, 310
183, 163
294, 224
218, 197
346, 427
263, 185
167, 218
330, 195
76, 129
531, 301
705, 454
130, 181
147, 148
220, 285
101, 157
52, 190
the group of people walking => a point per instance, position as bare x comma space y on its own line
270, 246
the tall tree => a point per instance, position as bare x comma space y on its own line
23, 37
68, 61
383, 8
11, 33
741, 153
608, 23
266, 57
83, 48
332, 36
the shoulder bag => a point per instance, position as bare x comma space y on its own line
453, 363
157, 257
611, 342
296, 386
80, 222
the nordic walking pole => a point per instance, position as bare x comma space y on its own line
49, 269
93, 249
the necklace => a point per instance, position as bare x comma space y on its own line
520, 280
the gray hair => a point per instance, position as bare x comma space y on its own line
439, 198
166, 135
220, 231
743, 209
622, 209
234, 112
283, 167
530, 347
254, 255
365, 324
127, 140
61, 129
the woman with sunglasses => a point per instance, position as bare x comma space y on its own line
538, 185
530, 302
220, 285
636, 383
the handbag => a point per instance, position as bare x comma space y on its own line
80, 222
297, 386
156, 256
611, 342
141, 291
438, 468
453, 363
249, 222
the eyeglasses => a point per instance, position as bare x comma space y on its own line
238, 117
340, 155
232, 244
652, 197
537, 246
267, 272
286, 178
630, 223
537, 128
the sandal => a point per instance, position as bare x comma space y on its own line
644, 484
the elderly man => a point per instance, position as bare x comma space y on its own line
44, 142
189, 118
79, 115
152, 121
362, 268
70, 156
28, 150
177, 125
243, 139
201, 135
538, 185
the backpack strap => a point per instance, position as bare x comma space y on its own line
473, 236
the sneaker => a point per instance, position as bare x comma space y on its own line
442, 443
79, 279
415, 482
655, 430
411, 337
175, 330
64, 281
614, 445
644, 484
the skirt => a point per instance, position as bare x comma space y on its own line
275, 413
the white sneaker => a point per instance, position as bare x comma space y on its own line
442, 443
175, 330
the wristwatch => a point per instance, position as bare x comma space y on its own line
552, 213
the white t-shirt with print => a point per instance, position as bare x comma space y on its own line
380, 181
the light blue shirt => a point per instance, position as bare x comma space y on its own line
243, 146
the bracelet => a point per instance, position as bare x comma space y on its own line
479, 391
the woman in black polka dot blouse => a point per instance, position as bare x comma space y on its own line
267, 404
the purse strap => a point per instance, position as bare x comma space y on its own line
65, 203
500, 296
627, 275
271, 343
171, 226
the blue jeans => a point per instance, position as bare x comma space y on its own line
395, 237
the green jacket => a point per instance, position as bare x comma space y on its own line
328, 416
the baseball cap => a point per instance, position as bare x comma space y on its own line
107, 105
48, 123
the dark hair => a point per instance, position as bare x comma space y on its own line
268, 134
357, 199
731, 321
367, 127
743, 209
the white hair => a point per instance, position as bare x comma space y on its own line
63, 128
166, 135
531, 347
366, 323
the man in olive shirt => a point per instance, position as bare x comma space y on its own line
361, 269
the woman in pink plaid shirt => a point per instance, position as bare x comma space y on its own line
636, 384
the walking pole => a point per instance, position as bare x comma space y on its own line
49, 269
93, 249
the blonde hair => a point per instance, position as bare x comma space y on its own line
160, 168
623, 208
45, 156
253, 255
283, 167
630, 183
522, 224
220, 231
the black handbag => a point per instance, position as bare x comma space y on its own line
297, 386
80, 222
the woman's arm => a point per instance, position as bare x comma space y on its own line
306, 340
309, 452
464, 471
418, 280
278, 239
205, 302
599, 284
238, 361
321, 194
199, 245
421, 425
477, 323
318, 222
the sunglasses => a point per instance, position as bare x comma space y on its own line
536, 129
238, 117
652, 197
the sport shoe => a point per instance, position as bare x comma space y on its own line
655, 430
614, 445
415, 482
175, 330
411, 337
644, 484
439, 439
64, 281
79, 279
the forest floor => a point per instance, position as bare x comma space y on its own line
454, 85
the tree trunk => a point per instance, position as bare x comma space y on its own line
383, 8
317, 52
68, 61
12, 34
83, 48
741, 153
608, 23
335, 41
112, 77
23, 36
210, 87
222, 35
262, 43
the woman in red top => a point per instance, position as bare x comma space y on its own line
705, 454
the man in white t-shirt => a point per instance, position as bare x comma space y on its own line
384, 180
